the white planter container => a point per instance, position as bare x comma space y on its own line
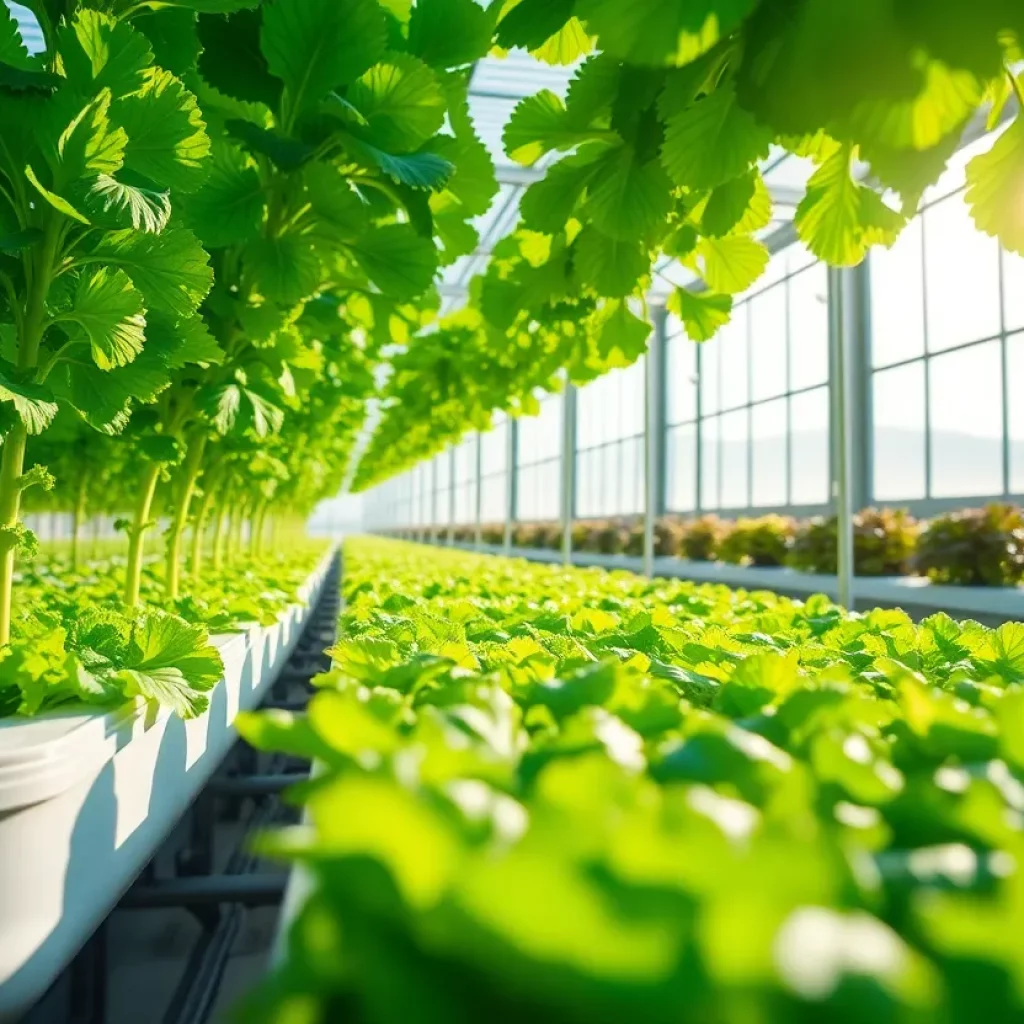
86, 799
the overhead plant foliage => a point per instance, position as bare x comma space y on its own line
213, 216
652, 158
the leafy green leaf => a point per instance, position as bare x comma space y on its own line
119, 203
549, 203
172, 663
286, 153
232, 60
34, 403
315, 46
229, 208
838, 219
424, 169
172, 35
100, 52
88, 142
59, 203
167, 140
401, 102
530, 23
742, 205
397, 260
171, 270
732, 264
628, 199
449, 33
341, 214
284, 269
612, 267
622, 333
539, 124
110, 313
702, 313
713, 141
995, 187
659, 32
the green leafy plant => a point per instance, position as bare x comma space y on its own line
764, 541
974, 547
883, 543
701, 538
603, 762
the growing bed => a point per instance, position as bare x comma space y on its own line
86, 799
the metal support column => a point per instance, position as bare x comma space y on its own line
653, 441
479, 492
842, 330
568, 463
511, 478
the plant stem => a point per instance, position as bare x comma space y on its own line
198, 531
256, 537
78, 515
190, 474
12, 461
219, 536
137, 534
10, 502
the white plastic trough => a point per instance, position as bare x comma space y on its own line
87, 798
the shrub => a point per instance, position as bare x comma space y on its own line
613, 538
762, 542
635, 538
668, 536
701, 538
524, 535
974, 547
549, 536
493, 533
883, 543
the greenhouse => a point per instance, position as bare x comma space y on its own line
511, 510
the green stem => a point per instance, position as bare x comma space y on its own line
190, 474
219, 538
12, 462
10, 502
137, 535
256, 537
198, 531
78, 516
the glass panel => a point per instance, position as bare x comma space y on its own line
731, 343
1013, 291
898, 407
897, 298
709, 379
808, 328
630, 468
709, 464
769, 457
767, 344
961, 277
682, 380
1015, 375
681, 459
966, 397
735, 430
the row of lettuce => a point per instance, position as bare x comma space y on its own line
222, 221
79, 647
571, 795
971, 547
